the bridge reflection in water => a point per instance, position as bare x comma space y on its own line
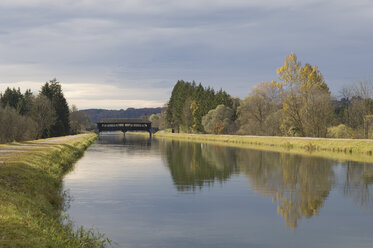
124, 125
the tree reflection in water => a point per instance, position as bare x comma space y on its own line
299, 184
194, 165
359, 183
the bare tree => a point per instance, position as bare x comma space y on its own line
78, 120
258, 113
43, 113
317, 113
15, 127
358, 106
363, 89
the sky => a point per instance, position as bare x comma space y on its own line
116, 54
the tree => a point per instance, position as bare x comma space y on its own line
155, 120
187, 117
79, 121
162, 118
258, 113
27, 102
53, 91
159, 120
219, 128
355, 105
363, 89
219, 120
194, 107
15, 127
181, 91
190, 102
198, 107
317, 113
340, 131
43, 113
11, 97
298, 83
15, 99
205, 99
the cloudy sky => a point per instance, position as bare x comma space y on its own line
129, 53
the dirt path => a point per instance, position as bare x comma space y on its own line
11, 150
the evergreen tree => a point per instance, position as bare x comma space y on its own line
180, 93
189, 103
15, 99
12, 98
53, 91
27, 102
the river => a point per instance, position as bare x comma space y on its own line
163, 193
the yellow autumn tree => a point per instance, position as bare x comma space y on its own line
306, 99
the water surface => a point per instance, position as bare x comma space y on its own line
164, 193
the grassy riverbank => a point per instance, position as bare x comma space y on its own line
31, 197
340, 149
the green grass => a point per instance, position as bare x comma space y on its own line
32, 200
339, 149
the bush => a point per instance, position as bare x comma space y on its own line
219, 128
15, 127
341, 131
219, 120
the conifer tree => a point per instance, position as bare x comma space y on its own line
190, 102
53, 91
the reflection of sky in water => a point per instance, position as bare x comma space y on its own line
177, 194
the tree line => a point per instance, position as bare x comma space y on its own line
189, 102
298, 104
25, 116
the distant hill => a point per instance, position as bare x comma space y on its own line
96, 114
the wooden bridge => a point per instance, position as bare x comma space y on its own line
124, 125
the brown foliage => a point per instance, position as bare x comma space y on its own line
220, 128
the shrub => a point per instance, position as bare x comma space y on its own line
15, 127
340, 131
219, 120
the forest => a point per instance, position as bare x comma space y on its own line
298, 104
24, 116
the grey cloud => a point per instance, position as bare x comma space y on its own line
226, 44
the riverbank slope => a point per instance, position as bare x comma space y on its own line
31, 197
341, 149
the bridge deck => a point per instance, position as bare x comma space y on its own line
124, 125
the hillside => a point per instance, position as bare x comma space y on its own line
97, 114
